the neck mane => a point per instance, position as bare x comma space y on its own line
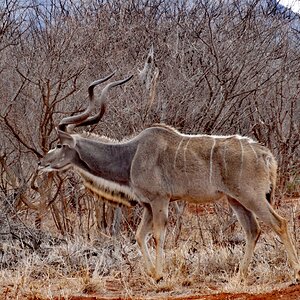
112, 192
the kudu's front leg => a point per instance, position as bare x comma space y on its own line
155, 217
144, 229
160, 218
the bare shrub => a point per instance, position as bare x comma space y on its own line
224, 67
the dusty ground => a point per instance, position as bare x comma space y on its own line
289, 293
66, 271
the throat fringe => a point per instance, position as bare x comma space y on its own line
104, 192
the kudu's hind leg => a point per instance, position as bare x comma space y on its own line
144, 228
252, 230
266, 213
280, 226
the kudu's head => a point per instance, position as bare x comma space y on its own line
65, 153
61, 157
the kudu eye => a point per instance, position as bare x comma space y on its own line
58, 146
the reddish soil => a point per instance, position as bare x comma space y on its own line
290, 293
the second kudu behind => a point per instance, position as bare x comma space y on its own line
160, 165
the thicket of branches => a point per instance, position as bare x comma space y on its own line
225, 67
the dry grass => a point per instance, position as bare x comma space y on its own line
204, 259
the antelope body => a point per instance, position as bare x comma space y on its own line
160, 165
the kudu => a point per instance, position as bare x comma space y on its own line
160, 165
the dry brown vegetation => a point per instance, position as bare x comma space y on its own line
224, 67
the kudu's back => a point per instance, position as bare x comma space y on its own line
200, 168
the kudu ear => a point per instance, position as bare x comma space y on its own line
66, 138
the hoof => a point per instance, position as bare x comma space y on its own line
241, 277
294, 283
297, 276
158, 279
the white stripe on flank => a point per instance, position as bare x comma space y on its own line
253, 150
184, 156
211, 161
176, 153
224, 159
242, 161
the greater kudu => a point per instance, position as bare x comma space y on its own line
160, 165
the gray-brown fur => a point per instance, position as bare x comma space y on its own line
160, 165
